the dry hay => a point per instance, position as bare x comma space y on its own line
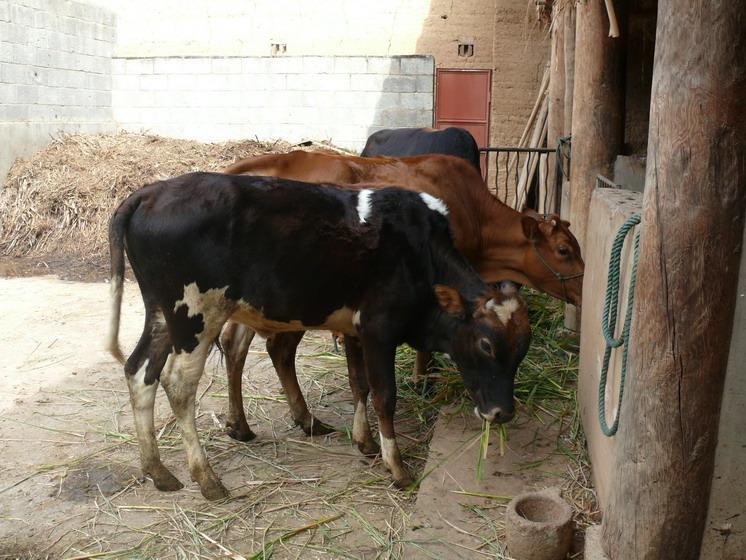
60, 200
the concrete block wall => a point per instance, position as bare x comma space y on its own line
55, 73
339, 98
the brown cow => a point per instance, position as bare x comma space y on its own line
499, 242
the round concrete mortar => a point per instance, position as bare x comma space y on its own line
539, 526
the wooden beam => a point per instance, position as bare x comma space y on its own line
555, 123
598, 107
693, 219
613, 24
569, 44
572, 318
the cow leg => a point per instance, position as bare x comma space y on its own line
421, 367
236, 339
379, 361
142, 376
359, 385
180, 379
282, 348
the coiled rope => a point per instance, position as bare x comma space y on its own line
609, 321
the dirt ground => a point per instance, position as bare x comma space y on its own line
70, 483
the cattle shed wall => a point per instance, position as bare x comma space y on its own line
55, 73
504, 33
203, 70
342, 99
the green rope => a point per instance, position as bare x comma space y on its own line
608, 324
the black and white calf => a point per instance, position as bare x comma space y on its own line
282, 257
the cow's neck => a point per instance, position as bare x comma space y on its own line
503, 243
434, 329
435, 332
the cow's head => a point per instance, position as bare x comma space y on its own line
488, 338
552, 261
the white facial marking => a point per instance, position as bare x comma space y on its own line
508, 288
491, 415
364, 204
356, 318
503, 310
434, 203
360, 426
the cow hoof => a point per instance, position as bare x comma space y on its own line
239, 432
369, 448
214, 490
404, 482
164, 480
315, 427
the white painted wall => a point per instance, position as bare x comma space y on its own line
59, 72
341, 99
55, 73
248, 27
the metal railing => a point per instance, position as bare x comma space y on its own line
606, 183
530, 177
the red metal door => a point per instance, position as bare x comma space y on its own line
462, 99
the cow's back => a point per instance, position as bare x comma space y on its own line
449, 178
403, 142
296, 251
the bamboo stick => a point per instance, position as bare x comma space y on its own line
613, 24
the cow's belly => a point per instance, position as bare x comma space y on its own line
339, 320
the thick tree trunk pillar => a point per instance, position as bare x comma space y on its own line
556, 115
598, 113
693, 219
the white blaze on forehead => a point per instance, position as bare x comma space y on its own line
503, 310
434, 203
356, 318
364, 204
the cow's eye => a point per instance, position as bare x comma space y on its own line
486, 347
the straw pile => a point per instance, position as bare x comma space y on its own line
60, 200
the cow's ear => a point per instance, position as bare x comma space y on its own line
530, 227
449, 299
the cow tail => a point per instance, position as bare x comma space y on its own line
117, 229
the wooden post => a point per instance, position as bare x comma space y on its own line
556, 116
572, 319
598, 113
693, 219
569, 43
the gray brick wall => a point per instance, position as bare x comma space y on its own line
58, 74
55, 73
343, 99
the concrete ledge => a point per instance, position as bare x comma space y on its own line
593, 549
609, 209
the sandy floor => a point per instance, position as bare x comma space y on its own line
70, 483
